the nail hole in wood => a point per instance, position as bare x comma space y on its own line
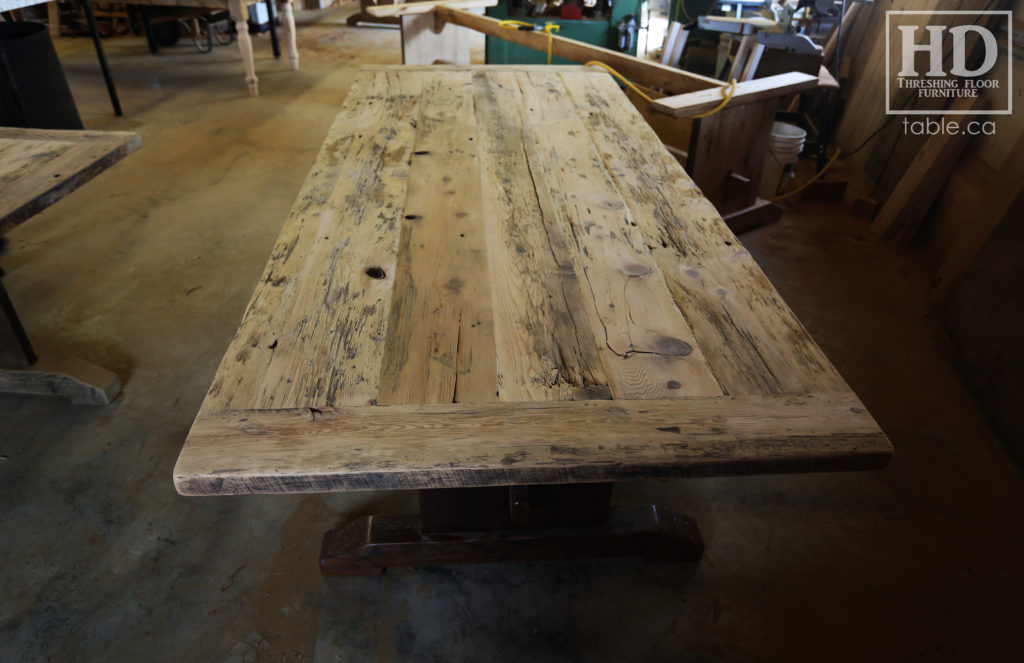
421, 152
375, 272
412, 217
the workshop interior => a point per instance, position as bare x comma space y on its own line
501, 330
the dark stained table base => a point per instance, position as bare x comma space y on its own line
504, 524
22, 372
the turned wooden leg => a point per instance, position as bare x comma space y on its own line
240, 15
289, 26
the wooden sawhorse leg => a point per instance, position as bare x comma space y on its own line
509, 523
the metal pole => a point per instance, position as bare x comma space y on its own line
91, 19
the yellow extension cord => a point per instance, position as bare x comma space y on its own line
549, 28
727, 92
810, 181
623, 79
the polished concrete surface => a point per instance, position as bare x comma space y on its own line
147, 270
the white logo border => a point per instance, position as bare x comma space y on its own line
1009, 69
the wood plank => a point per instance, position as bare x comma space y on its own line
739, 60
675, 42
750, 337
440, 337
40, 166
747, 92
645, 344
981, 189
905, 208
752, 64
441, 446
640, 71
313, 332
412, 8
976, 198
541, 330
761, 213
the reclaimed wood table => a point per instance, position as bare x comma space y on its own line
498, 288
38, 167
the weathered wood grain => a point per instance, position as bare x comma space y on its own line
440, 340
750, 337
40, 166
499, 276
442, 446
313, 333
543, 337
647, 348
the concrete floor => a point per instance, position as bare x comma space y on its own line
147, 270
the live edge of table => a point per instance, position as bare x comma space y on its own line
497, 286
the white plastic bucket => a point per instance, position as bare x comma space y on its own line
784, 147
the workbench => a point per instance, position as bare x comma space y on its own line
498, 288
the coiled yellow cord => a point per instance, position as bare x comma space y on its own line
810, 181
596, 63
727, 92
549, 28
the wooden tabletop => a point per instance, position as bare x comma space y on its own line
496, 276
38, 167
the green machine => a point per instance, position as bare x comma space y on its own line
608, 23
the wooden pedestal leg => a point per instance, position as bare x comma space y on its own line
22, 373
289, 26
727, 153
515, 523
240, 15
15, 349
